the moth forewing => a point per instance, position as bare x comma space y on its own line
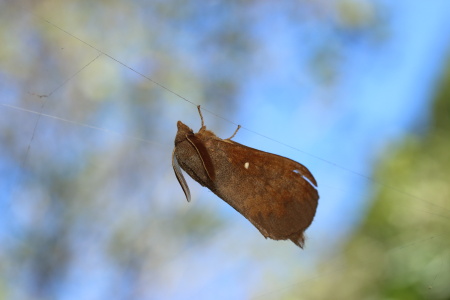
264, 188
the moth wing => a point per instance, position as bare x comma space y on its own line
301, 168
276, 194
180, 177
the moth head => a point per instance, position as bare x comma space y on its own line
183, 130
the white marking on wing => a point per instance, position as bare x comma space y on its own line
306, 178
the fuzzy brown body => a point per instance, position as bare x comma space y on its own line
269, 190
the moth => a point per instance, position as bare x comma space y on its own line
277, 195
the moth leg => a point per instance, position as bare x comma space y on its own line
237, 129
201, 116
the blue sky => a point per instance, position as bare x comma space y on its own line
383, 93
385, 96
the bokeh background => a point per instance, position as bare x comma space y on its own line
90, 93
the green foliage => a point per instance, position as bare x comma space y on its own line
87, 183
402, 248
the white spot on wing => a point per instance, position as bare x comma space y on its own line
246, 165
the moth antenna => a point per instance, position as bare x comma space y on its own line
237, 129
201, 116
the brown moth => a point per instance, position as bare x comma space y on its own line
277, 195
